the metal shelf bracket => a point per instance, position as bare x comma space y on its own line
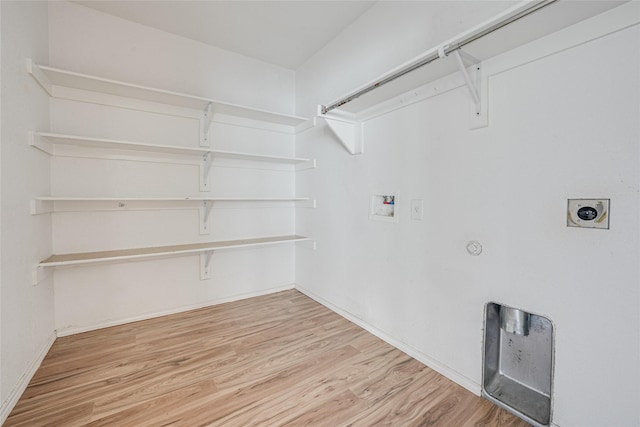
40, 274
476, 82
311, 204
205, 170
308, 244
205, 125
461, 57
348, 132
205, 212
205, 265
41, 207
309, 164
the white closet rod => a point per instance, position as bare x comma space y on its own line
482, 30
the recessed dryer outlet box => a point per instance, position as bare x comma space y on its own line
588, 213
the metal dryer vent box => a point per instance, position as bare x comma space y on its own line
588, 213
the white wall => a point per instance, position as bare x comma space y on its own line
561, 126
92, 42
26, 311
85, 40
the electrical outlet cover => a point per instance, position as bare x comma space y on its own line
588, 213
417, 209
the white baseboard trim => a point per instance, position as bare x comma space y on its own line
72, 330
432, 363
21, 386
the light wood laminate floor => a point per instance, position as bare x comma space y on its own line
279, 359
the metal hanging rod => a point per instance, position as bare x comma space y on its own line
445, 49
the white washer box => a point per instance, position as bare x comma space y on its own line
384, 206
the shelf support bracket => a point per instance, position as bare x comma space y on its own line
40, 274
205, 265
38, 142
309, 164
473, 90
308, 244
41, 207
311, 204
205, 212
205, 170
40, 77
348, 132
205, 125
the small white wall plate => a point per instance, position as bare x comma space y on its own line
588, 213
417, 209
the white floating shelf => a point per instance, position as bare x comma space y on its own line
50, 142
53, 78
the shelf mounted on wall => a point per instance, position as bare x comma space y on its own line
205, 205
348, 126
413, 81
79, 146
138, 254
65, 84
75, 86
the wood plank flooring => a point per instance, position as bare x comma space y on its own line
276, 360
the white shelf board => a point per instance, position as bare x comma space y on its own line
50, 204
50, 77
47, 142
552, 18
163, 251
170, 199
258, 157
